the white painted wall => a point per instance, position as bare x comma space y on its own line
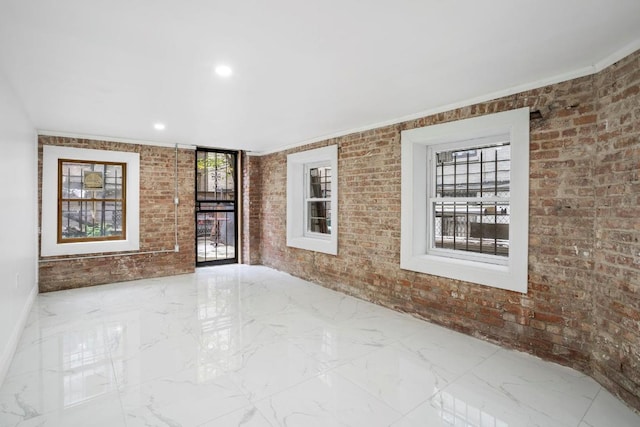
18, 219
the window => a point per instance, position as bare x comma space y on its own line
312, 195
318, 199
91, 201
465, 200
469, 199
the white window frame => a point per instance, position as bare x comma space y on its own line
415, 253
298, 165
308, 199
49, 237
431, 197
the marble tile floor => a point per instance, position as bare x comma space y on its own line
249, 346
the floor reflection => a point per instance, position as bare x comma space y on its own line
456, 412
220, 322
86, 366
213, 347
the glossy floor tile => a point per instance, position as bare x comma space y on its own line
249, 346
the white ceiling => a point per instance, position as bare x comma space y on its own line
303, 69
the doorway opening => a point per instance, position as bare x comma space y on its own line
216, 207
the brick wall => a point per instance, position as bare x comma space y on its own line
616, 352
582, 308
251, 213
157, 232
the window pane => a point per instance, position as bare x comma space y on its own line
479, 172
472, 227
86, 219
74, 185
319, 217
320, 182
216, 175
113, 182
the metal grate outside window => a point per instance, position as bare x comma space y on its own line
470, 201
318, 200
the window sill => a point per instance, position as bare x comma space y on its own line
326, 246
493, 275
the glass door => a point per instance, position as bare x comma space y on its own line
216, 207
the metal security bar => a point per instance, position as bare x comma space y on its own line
471, 207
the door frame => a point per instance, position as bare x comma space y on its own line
236, 207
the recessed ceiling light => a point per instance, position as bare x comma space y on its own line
223, 70
159, 126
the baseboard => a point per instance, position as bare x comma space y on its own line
11, 346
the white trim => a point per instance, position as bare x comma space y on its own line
297, 235
12, 344
42, 132
617, 56
414, 251
49, 238
536, 84
36, 218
